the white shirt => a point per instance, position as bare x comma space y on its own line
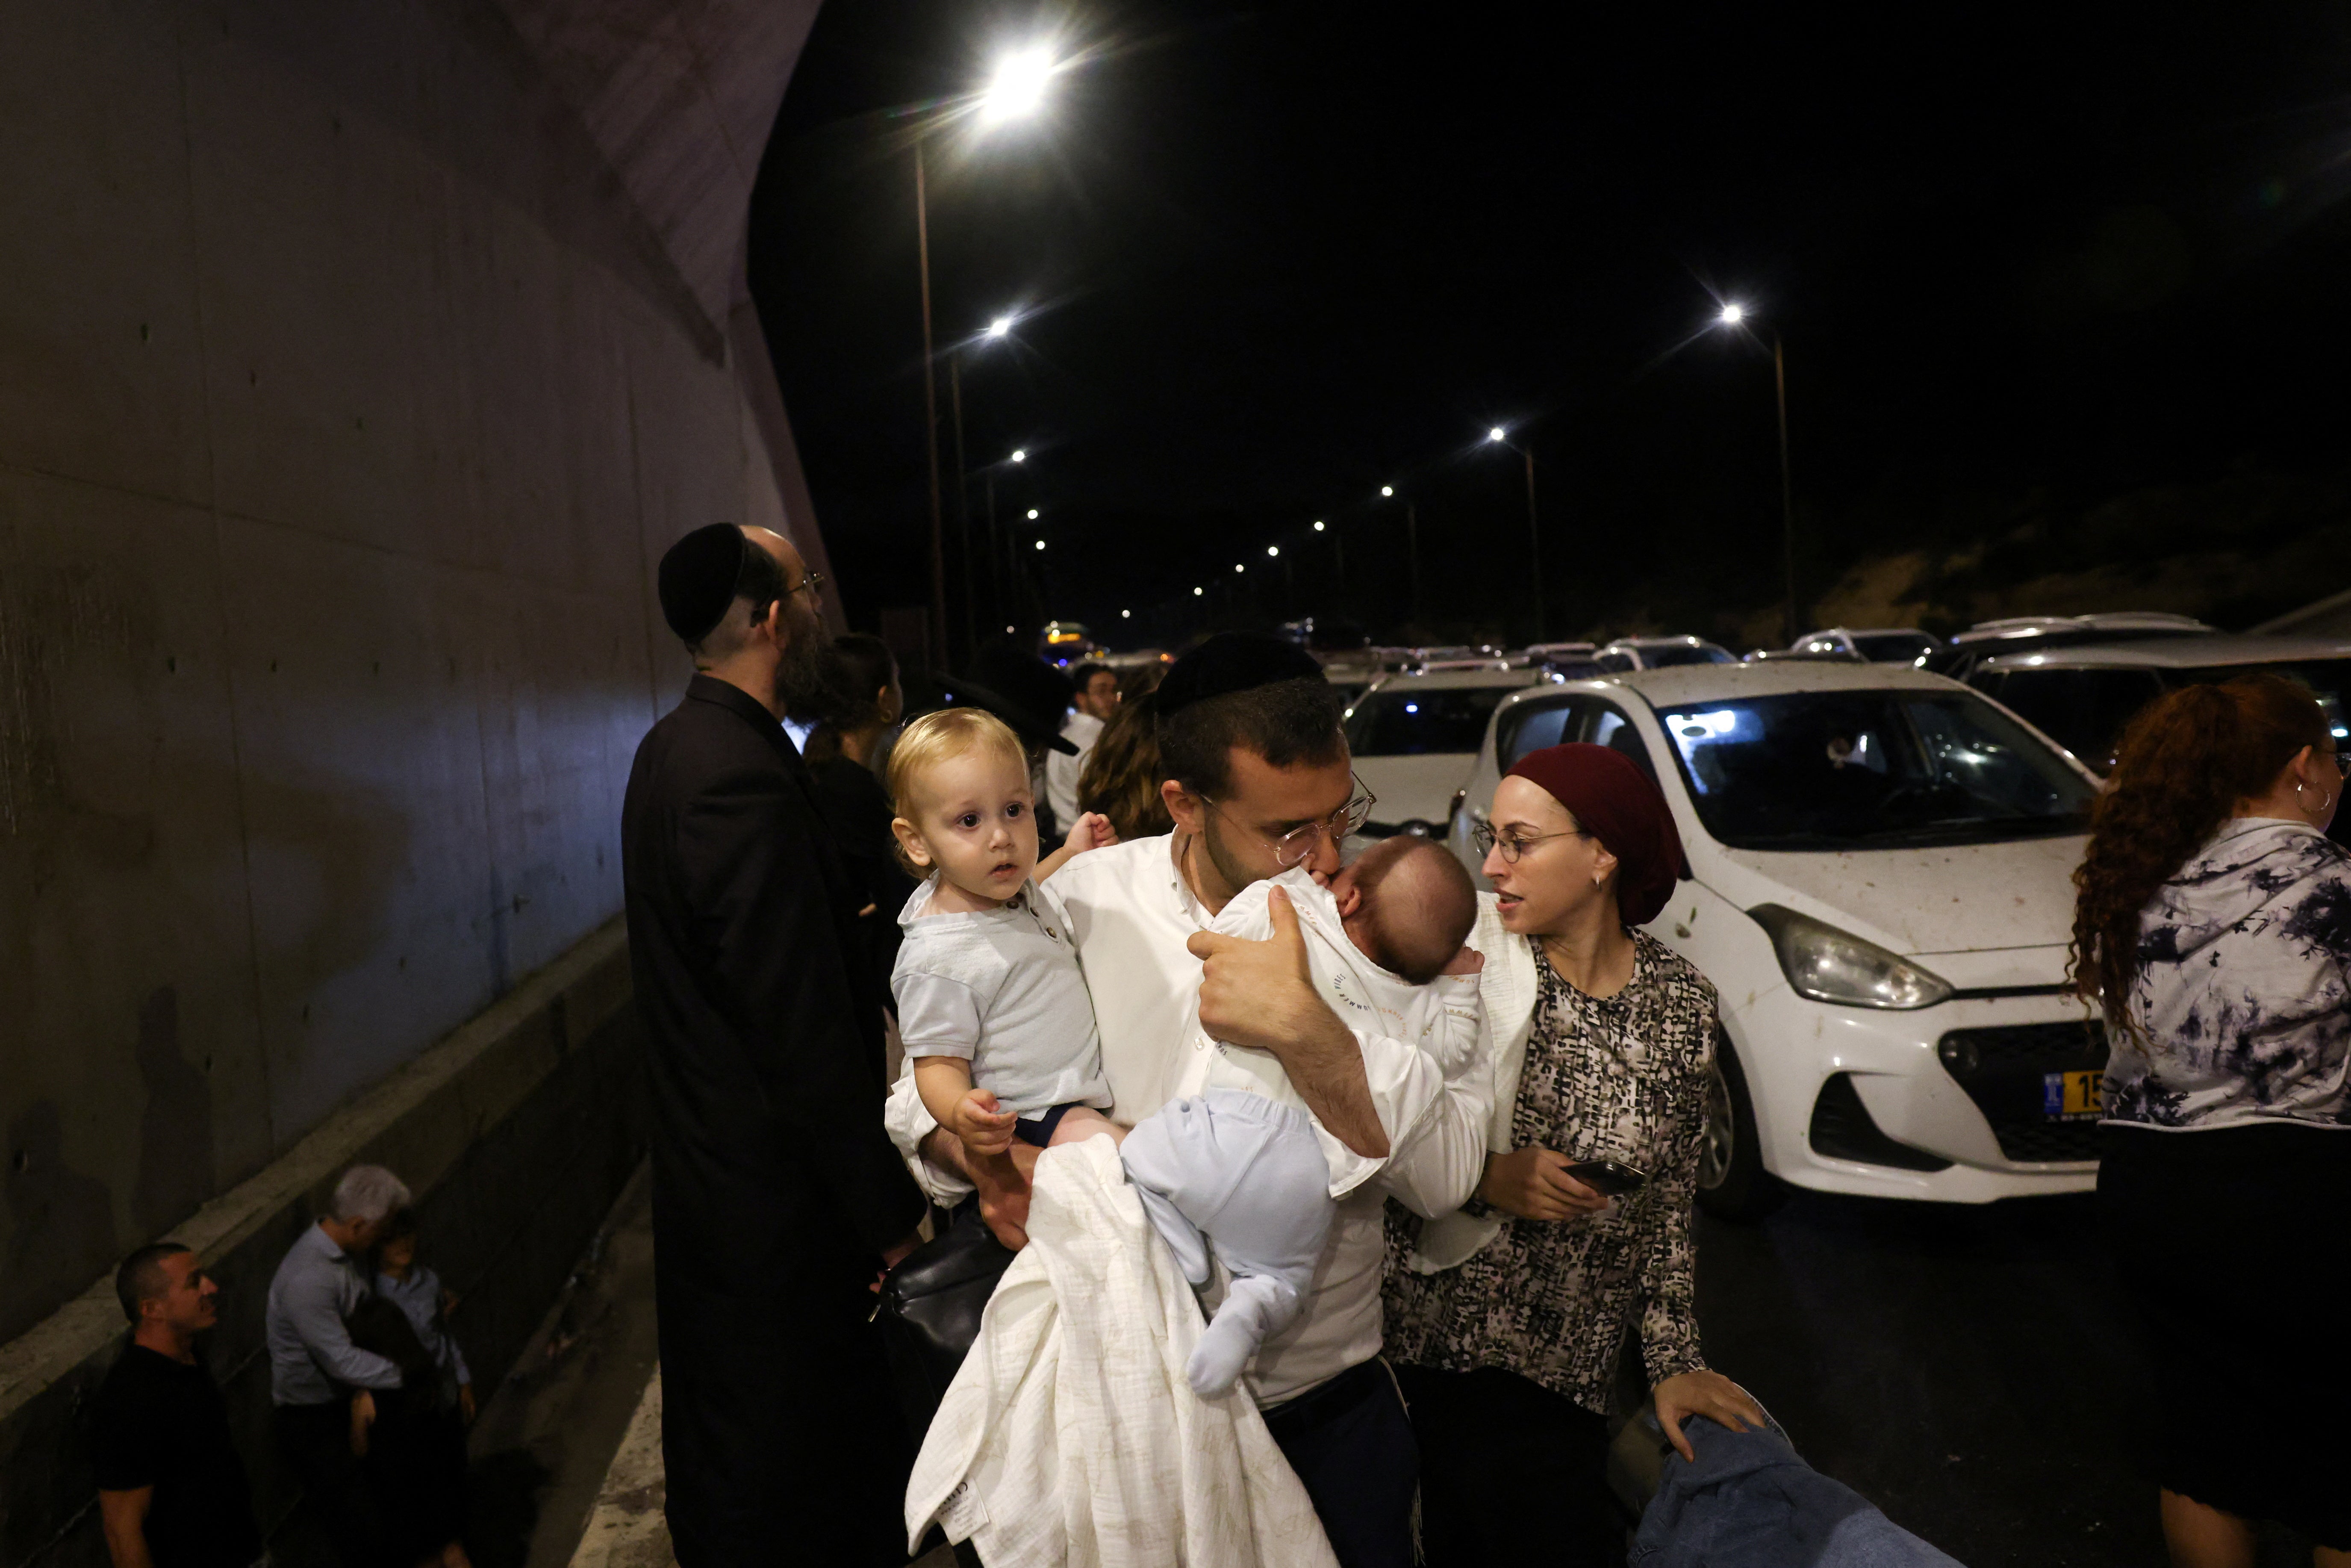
1001, 989
1131, 914
1061, 772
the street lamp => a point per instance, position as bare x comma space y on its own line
1019, 455
1411, 545
998, 329
1734, 316
1016, 89
1499, 436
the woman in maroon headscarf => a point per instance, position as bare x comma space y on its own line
1506, 1319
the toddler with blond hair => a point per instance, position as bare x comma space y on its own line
992, 1005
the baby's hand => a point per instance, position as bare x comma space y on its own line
984, 1129
1468, 961
1093, 831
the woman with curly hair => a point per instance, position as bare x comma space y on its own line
2212, 928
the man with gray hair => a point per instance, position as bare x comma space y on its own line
321, 1383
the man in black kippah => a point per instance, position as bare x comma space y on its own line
773, 1205
1256, 774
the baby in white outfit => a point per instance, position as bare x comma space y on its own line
1236, 1166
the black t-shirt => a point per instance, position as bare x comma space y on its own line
165, 1425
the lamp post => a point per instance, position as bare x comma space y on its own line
996, 331
1411, 548
1735, 315
1016, 91
1497, 436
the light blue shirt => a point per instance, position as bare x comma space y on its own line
312, 1359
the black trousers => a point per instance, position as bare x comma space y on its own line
780, 1432
1352, 1447
317, 1442
1511, 1474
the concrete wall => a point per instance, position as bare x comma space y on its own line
517, 1133
356, 361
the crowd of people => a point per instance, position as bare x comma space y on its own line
1416, 1159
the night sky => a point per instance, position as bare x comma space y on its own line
2025, 261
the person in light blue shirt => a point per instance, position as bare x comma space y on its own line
418, 1292
323, 1386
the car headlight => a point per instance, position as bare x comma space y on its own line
1831, 965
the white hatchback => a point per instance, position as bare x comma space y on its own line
1414, 737
1880, 890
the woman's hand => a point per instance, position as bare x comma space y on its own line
1532, 1183
1708, 1394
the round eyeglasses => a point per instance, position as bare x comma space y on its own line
1298, 843
1513, 845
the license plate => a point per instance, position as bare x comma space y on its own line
2071, 1096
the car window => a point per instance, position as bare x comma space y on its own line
1674, 653
2082, 710
1612, 729
2329, 680
1616, 663
1894, 647
1532, 726
1412, 721
1834, 770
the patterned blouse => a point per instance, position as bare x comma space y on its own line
1624, 1078
2242, 995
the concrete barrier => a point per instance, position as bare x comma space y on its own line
516, 1132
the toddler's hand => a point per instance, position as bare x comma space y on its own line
984, 1129
1093, 831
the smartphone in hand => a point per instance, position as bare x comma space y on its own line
1611, 1179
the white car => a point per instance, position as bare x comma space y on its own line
1876, 645
1661, 652
1414, 737
1880, 890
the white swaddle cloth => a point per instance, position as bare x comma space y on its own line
1220, 1173
1068, 1438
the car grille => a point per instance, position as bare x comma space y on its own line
2003, 1071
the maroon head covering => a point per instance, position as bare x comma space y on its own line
1614, 802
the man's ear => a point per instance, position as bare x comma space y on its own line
1188, 809
910, 840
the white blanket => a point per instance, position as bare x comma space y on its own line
1070, 1436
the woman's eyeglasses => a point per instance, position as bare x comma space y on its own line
1299, 842
1513, 845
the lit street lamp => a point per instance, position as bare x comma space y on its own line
1499, 436
1016, 91
1735, 318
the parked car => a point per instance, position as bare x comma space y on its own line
1661, 652
1880, 890
2081, 698
2026, 633
1414, 737
1877, 645
1766, 655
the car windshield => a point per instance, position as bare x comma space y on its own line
1893, 647
1832, 770
2328, 679
1666, 655
1416, 720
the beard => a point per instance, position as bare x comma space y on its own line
800, 672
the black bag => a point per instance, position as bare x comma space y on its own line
930, 1311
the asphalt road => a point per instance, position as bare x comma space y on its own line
1964, 1368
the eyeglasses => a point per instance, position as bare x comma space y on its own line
1299, 842
1487, 840
811, 581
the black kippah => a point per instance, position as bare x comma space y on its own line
1233, 661
697, 579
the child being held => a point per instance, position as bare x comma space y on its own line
992, 1005
1236, 1166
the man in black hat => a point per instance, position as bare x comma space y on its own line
774, 1201
1258, 780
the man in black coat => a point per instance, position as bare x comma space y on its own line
777, 1194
